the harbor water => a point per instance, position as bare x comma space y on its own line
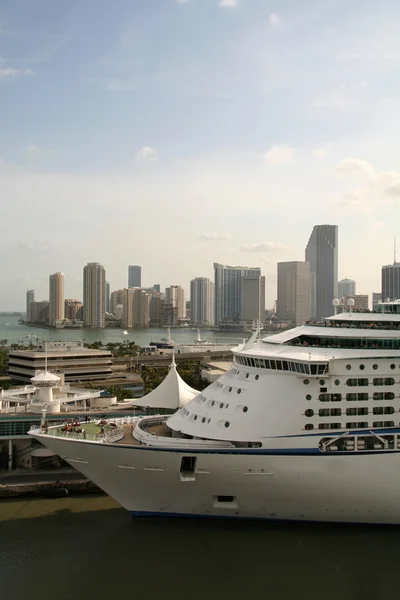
11, 332
88, 548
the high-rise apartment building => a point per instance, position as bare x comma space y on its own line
72, 309
94, 296
294, 292
232, 305
30, 297
391, 282
115, 300
56, 297
40, 311
346, 287
202, 301
136, 305
134, 276
376, 298
107, 288
175, 297
322, 255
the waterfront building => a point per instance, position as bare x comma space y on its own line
115, 300
40, 311
322, 255
202, 301
346, 287
94, 296
294, 292
154, 307
175, 296
107, 297
168, 315
229, 297
30, 297
73, 309
134, 276
56, 298
376, 298
72, 360
391, 282
136, 304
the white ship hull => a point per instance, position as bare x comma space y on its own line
147, 482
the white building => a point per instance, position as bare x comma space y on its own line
202, 301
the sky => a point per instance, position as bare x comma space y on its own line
177, 133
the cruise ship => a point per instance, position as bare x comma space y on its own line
305, 426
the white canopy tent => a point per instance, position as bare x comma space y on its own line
172, 393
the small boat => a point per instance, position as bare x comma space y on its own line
125, 332
164, 342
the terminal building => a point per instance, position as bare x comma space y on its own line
73, 360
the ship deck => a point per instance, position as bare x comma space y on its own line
128, 439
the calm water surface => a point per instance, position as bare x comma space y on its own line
87, 547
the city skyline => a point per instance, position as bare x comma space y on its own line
230, 155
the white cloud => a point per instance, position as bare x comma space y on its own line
355, 166
274, 19
33, 150
228, 3
8, 73
319, 153
279, 155
214, 237
269, 246
146, 153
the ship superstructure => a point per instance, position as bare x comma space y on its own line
304, 426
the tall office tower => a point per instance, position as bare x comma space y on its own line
136, 304
157, 287
94, 296
346, 287
376, 298
115, 300
294, 292
228, 296
107, 288
155, 308
175, 296
30, 297
56, 297
322, 254
391, 282
202, 301
134, 276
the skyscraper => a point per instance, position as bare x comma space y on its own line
376, 298
116, 300
391, 282
30, 297
232, 304
322, 254
202, 301
294, 292
346, 287
175, 297
56, 297
94, 296
134, 276
136, 303
107, 297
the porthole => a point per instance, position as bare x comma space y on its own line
212, 403
245, 409
203, 420
392, 366
375, 367
309, 412
306, 381
221, 405
239, 391
227, 423
247, 375
337, 381
195, 418
322, 382
230, 389
257, 377
308, 397
348, 367
362, 367
309, 426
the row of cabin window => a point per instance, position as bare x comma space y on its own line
282, 365
353, 396
354, 410
376, 381
350, 425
